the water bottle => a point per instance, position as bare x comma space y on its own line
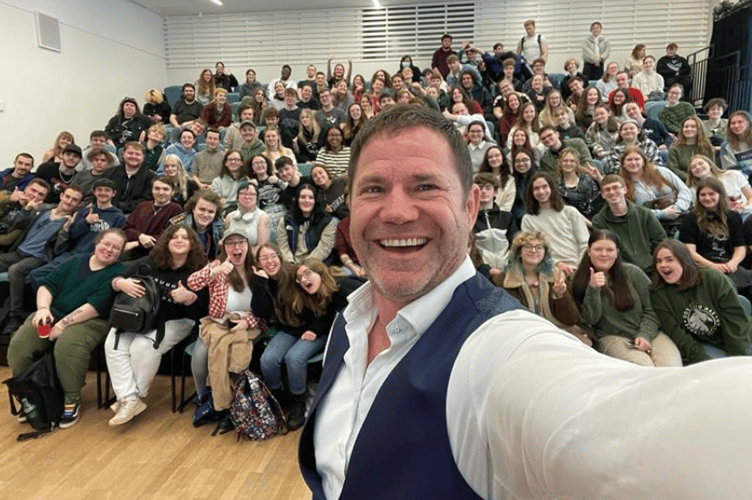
29, 409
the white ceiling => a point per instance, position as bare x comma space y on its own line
169, 8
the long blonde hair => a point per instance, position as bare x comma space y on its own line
181, 180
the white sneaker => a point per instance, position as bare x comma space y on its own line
127, 410
115, 406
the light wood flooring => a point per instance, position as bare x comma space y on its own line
157, 456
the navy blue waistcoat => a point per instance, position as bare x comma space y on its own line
402, 450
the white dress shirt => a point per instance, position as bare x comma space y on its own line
533, 413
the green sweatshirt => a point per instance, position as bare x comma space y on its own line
709, 313
639, 233
74, 284
605, 319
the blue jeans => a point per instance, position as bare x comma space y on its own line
295, 353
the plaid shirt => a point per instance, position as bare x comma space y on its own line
219, 287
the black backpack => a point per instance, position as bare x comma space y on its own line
41, 396
138, 315
255, 413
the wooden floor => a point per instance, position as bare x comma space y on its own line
159, 455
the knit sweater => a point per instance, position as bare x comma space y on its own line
673, 116
708, 313
605, 319
679, 156
638, 231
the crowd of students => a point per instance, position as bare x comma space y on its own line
243, 220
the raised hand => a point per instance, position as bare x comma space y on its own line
597, 279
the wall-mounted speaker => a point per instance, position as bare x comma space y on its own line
48, 32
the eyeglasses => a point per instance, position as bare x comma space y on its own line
521, 160
304, 275
268, 258
234, 160
533, 248
236, 243
247, 195
256, 163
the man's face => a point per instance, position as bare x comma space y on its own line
197, 129
286, 173
203, 213
286, 72
674, 95
22, 166
622, 80
446, 43
162, 193
189, 94
575, 86
311, 71
671, 51
549, 138
306, 93
614, 193
69, 201
98, 141
530, 29
250, 77
320, 79
246, 115
220, 68
387, 101
539, 68
460, 108
103, 194
498, 49
326, 98
212, 140
454, 65
71, 159
133, 157
487, 194
467, 81
410, 218
100, 163
248, 133
290, 100
35, 192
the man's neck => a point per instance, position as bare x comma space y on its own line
103, 206
131, 170
488, 205
16, 175
327, 108
161, 204
189, 102
66, 169
619, 208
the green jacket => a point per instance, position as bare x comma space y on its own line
639, 233
605, 319
709, 313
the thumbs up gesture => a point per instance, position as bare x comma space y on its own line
92, 218
597, 279
225, 267
182, 295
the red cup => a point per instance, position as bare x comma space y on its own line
44, 331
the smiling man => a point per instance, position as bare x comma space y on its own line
439, 385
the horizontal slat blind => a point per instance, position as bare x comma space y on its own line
299, 37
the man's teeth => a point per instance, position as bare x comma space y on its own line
409, 242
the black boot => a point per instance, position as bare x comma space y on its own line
296, 418
281, 396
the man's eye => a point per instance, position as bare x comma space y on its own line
426, 187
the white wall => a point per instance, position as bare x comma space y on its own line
110, 49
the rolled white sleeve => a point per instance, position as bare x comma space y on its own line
535, 414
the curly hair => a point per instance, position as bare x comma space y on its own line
161, 256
